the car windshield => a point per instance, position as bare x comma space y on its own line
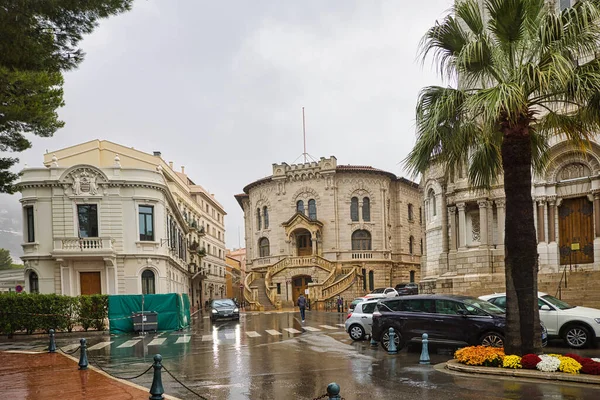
401, 285
484, 305
377, 291
561, 305
223, 303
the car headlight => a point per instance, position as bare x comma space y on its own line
236, 310
214, 311
597, 320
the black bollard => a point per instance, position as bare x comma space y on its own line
157, 390
333, 390
52, 345
83, 361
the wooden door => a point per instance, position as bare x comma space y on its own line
299, 286
576, 231
90, 283
304, 244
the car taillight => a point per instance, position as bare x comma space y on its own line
349, 315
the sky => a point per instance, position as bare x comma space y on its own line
219, 86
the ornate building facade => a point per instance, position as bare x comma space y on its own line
105, 218
324, 230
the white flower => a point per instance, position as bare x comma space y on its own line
596, 359
548, 363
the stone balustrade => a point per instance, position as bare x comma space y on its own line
83, 244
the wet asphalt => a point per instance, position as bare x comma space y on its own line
275, 356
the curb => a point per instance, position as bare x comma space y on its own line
454, 365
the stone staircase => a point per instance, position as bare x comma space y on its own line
581, 287
263, 299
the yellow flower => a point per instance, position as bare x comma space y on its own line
569, 365
511, 362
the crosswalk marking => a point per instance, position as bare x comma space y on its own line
229, 336
342, 325
99, 346
273, 332
311, 329
183, 339
267, 313
129, 343
157, 342
328, 327
292, 330
207, 338
252, 334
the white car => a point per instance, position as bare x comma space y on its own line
382, 293
578, 326
360, 321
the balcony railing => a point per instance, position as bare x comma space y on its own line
83, 244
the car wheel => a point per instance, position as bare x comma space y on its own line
577, 336
356, 332
385, 340
492, 339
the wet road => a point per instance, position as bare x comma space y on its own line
273, 356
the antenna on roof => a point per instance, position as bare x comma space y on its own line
305, 155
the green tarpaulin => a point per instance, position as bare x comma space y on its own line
173, 310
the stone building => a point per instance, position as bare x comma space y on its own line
326, 230
105, 218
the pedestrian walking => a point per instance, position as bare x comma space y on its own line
340, 303
302, 304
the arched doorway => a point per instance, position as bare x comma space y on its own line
303, 242
299, 285
576, 231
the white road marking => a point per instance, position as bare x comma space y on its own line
129, 343
207, 338
267, 313
229, 335
184, 339
99, 346
328, 327
70, 347
273, 332
252, 334
292, 330
311, 329
342, 325
157, 342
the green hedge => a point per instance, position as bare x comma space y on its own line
34, 312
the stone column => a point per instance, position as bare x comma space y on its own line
452, 216
500, 208
597, 213
551, 220
541, 226
462, 226
313, 239
444, 212
483, 223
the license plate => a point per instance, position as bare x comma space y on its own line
227, 315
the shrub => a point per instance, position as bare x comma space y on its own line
480, 355
92, 311
530, 361
548, 363
569, 365
511, 362
591, 368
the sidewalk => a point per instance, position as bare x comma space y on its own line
55, 376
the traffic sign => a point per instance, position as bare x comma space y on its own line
19, 288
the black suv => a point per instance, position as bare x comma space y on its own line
449, 319
404, 289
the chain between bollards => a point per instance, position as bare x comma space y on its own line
157, 390
83, 360
52, 344
424, 350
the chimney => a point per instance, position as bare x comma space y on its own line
171, 164
157, 154
182, 169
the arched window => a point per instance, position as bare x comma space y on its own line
361, 240
312, 209
148, 282
300, 206
410, 212
34, 285
412, 276
433, 206
263, 246
411, 245
421, 247
366, 211
266, 217
258, 220
354, 209
420, 216
371, 281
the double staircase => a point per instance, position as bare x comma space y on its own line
263, 299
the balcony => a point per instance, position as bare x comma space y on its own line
83, 247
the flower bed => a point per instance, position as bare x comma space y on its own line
495, 357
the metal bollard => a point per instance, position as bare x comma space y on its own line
424, 350
373, 342
333, 390
157, 390
83, 361
52, 345
392, 343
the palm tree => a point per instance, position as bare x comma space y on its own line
526, 73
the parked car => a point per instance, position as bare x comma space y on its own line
381, 293
358, 322
578, 326
404, 289
355, 302
224, 309
447, 319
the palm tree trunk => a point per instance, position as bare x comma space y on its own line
523, 333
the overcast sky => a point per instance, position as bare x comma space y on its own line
218, 86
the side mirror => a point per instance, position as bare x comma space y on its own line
545, 307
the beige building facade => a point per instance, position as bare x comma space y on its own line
328, 230
105, 218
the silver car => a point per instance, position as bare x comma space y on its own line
359, 322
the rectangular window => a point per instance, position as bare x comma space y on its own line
146, 217
279, 288
87, 215
30, 226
